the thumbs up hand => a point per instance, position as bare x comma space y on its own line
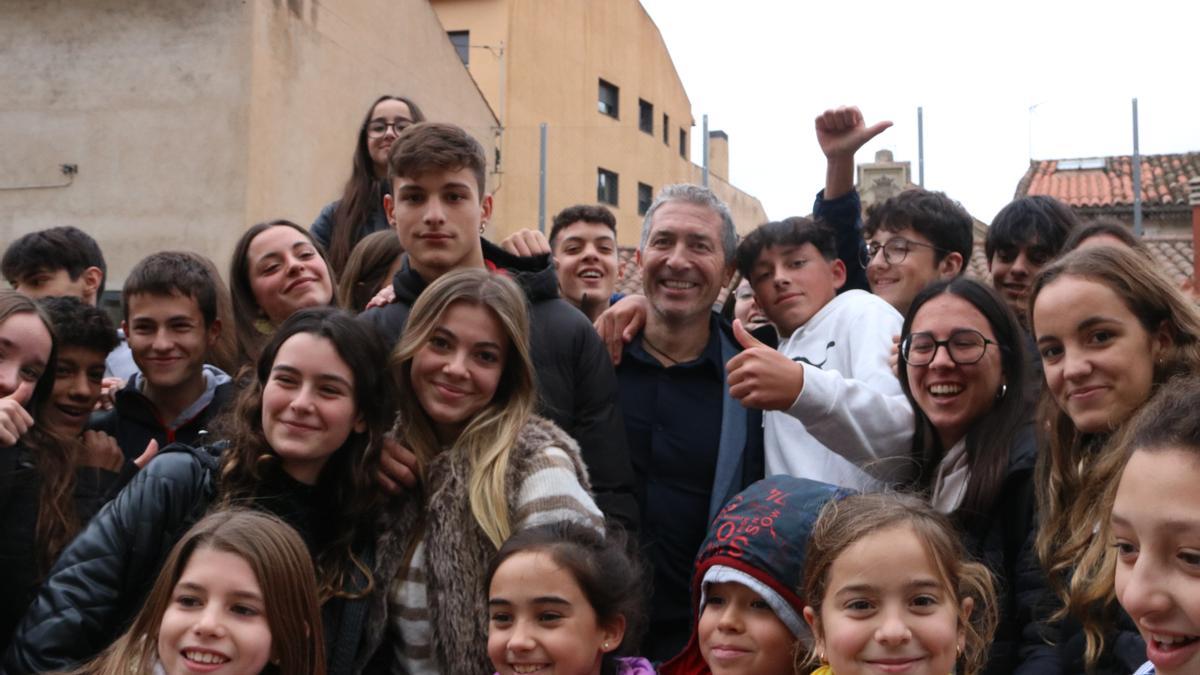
842, 131
15, 420
761, 377
148, 454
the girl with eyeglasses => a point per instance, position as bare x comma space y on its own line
964, 373
343, 222
1110, 330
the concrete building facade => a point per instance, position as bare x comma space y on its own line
188, 121
618, 122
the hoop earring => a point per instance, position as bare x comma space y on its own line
1003, 390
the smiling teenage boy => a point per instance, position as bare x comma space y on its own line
438, 206
914, 239
583, 240
64, 261
170, 301
835, 412
84, 337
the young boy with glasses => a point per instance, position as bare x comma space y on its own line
923, 236
914, 239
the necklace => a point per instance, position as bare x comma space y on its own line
662, 353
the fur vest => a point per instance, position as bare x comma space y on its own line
457, 552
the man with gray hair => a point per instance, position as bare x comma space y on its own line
693, 446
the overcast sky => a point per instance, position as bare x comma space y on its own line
762, 70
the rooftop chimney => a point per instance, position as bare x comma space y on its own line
718, 154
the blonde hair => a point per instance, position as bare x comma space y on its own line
844, 522
490, 435
1072, 463
284, 572
1167, 420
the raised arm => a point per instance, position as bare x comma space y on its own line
840, 133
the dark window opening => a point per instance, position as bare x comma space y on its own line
646, 116
683, 149
666, 127
610, 99
645, 197
606, 187
461, 39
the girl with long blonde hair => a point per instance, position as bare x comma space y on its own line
487, 465
1110, 330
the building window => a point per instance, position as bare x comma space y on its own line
683, 143
461, 39
610, 100
606, 187
645, 197
666, 127
646, 116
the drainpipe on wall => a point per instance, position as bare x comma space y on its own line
1194, 200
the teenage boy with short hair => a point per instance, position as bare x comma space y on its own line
438, 206
1023, 238
835, 412
170, 301
63, 261
83, 337
914, 239
583, 241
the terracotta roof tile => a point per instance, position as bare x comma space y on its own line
1164, 180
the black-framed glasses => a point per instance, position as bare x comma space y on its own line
965, 346
895, 250
377, 128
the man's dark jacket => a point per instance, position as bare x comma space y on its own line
577, 387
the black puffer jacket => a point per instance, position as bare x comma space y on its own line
1003, 540
101, 580
20, 492
577, 387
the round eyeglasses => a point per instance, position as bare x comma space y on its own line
965, 346
895, 250
377, 128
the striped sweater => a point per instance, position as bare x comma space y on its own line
430, 615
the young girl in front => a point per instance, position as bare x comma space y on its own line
566, 599
236, 596
748, 606
889, 589
304, 445
1152, 535
488, 468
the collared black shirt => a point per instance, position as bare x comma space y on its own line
673, 423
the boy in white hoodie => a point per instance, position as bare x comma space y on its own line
835, 412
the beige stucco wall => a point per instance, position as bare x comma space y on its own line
147, 98
555, 52
189, 121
